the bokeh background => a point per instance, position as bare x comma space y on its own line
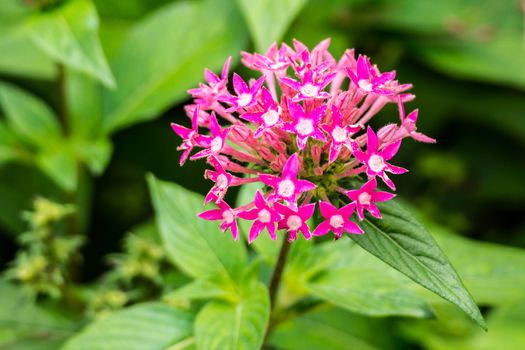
114, 75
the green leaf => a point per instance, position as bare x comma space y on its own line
494, 274
25, 325
195, 245
200, 34
8, 144
144, 326
84, 105
95, 153
402, 242
69, 35
29, 117
60, 165
198, 289
268, 20
332, 329
21, 57
241, 326
264, 245
364, 291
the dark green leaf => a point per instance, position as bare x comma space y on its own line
402, 242
239, 326
195, 35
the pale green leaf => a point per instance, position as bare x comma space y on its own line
29, 117
197, 246
403, 243
364, 291
69, 34
268, 20
146, 326
240, 326
153, 74
198, 289
60, 165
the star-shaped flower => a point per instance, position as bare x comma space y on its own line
339, 133
367, 78
225, 214
213, 144
245, 96
223, 180
305, 125
337, 220
287, 186
295, 219
206, 95
375, 160
190, 137
366, 197
269, 117
408, 125
264, 216
309, 87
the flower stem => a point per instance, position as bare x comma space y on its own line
278, 271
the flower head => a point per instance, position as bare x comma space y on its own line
301, 130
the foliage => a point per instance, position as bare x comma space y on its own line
87, 91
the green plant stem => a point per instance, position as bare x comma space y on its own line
278, 271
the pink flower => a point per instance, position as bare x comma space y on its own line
305, 125
245, 97
366, 196
339, 133
368, 79
225, 214
287, 186
375, 160
298, 129
189, 136
337, 220
268, 117
213, 144
295, 219
264, 216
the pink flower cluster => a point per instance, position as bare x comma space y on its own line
301, 130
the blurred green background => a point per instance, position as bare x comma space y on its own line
88, 89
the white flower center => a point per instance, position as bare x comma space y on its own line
364, 198
227, 216
222, 181
216, 144
310, 90
339, 134
376, 163
304, 127
244, 100
365, 85
286, 188
336, 221
294, 222
271, 117
264, 216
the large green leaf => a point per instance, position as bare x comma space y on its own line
69, 35
494, 274
195, 245
402, 242
268, 20
153, 74
239, 326
146, 326
333, 329
367, 292
29, 117
59, 163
